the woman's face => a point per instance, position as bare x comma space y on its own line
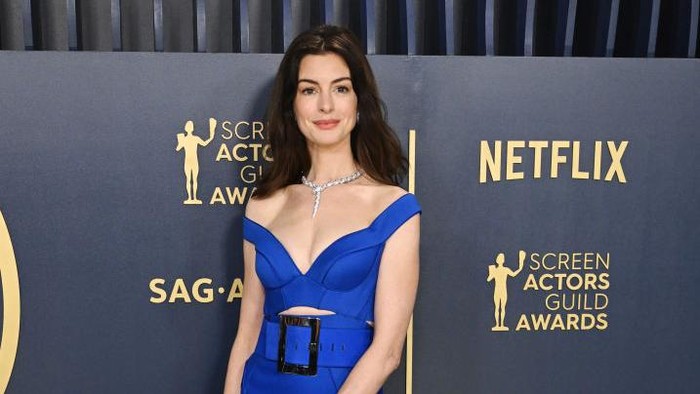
325, 104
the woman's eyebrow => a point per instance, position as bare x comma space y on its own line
311, 81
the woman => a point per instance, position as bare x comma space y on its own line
331, 243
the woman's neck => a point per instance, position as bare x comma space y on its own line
328, 164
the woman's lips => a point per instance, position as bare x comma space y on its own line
326, 124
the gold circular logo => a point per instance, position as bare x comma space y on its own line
11, 306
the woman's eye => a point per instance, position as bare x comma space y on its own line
307, 91
342, 89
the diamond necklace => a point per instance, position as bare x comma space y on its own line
317, 189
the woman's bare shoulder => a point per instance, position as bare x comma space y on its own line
384, 195
390, 193
262, 210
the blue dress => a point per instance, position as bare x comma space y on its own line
342, 279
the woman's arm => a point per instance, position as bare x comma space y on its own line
249, 321
396, 294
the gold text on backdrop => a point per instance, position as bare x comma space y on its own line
560, 152
563, 291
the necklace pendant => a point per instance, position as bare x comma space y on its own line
317, 201
317, 189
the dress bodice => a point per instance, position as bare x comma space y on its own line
343, 277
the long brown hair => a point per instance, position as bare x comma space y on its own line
375, 146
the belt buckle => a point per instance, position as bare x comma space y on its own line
300, 369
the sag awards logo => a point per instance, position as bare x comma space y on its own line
567, 291
240, 143
499, 275
241, 147
190, 143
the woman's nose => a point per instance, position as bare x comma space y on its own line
325, 102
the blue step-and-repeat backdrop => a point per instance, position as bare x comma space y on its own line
559, 248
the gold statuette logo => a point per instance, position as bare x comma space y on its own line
190, 143
242, 148
499, 274
560, 291
11, 306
